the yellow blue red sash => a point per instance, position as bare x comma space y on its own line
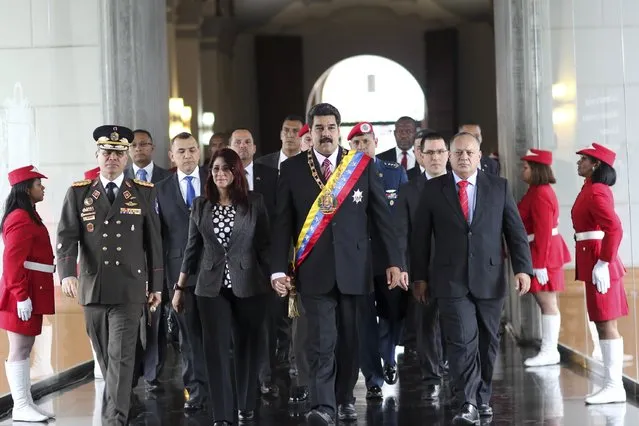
337, 188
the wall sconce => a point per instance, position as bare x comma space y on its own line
179, 117
564, 115
206, 129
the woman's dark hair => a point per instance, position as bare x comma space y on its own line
19, 199
540, 174
603, 173
239, 187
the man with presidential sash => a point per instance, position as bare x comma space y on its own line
325, 200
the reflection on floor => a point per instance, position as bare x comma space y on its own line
63, 343
575, 331
549, 396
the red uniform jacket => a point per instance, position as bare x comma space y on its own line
539, 210
594, 210
25, 240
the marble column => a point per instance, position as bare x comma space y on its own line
515, 57
188, 71
135, 67
218, 39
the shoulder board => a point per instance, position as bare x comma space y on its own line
143, 183
390, 164
81, 182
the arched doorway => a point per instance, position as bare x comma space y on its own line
370, 88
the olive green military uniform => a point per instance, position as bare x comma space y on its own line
120, 248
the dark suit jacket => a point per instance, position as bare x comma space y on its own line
406, 211
340, 254
270, 160
391, 155
488, 165
158, 175
414, 173
174, 221
247, 254
265, 183
468, 257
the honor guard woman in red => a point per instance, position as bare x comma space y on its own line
26, 286
598, 234
539, 210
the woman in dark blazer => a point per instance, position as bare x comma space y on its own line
227, 248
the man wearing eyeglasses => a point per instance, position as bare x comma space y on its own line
432, 154
141, 152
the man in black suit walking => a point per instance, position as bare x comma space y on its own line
175, 196
342, 192
263, 180
403, 153
432, 152
143, 167
291, 143
466, 213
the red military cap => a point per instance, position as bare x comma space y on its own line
362, 128
304, 130
600, 152
24, 173
538, 156
92, 174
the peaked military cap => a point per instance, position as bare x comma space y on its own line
113, 138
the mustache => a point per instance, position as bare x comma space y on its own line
326, 139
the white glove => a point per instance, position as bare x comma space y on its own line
541, 275
601, 276
24, 309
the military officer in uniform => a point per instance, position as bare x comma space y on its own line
112, 222
379, 341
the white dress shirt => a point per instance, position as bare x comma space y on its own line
195, 181
410, 157
471, 191
148, 168
249, 175
117, 181
320, 159
282, 158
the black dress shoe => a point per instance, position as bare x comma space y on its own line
246, 415
192, 406
346, 412
298, 394
390, 374
468, 415
485, 410
152, 386
431, 392
374, 392
319, 418
269, 390
222, 423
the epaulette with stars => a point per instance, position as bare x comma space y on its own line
390, 164
143, 183
84, 182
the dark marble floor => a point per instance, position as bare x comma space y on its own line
548, 396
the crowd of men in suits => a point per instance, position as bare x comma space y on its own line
353, 270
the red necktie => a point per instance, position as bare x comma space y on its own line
404, 160
326, 169
463, 197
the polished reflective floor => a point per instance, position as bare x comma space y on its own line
546, 396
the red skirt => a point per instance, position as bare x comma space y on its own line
555, 282
32, 327
609, 306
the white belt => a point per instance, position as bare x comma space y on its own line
531, 237
40, 267
589, 235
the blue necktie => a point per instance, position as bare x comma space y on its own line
142, 174
190, 190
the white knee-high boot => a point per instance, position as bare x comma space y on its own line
612, 390
18, 376
41, 354
548, 353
